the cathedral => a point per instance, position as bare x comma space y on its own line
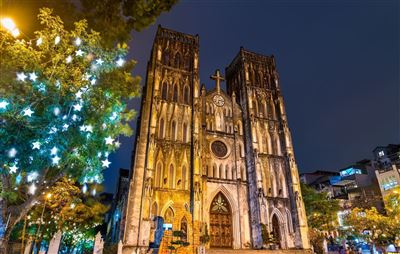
216, 165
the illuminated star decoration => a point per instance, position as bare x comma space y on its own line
28, 112
55, 160
105, 163
77, 107
120, 62
117, 144
36, 145
68, 59
32, 176
21, 76
53, 151
13, 169
99, 61
109, 140
79, 52
78, 94
33, 76
3, 104
12, 152
78, 41
57, 40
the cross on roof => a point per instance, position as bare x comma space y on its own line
217, 77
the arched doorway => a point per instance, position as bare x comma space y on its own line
220, 222
276, 231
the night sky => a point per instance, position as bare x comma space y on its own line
338, 63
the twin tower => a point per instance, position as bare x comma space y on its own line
217, 163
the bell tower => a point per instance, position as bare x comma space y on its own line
163, 163
274, 186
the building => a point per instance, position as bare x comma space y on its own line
220, 161
322, 180
387, 167
359, 185
116, 220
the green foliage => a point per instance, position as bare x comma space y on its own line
321, 211
102, 99
178, 240
268, 238
114, 19
66, 208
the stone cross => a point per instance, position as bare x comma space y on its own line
55, 243
98, 244
218, 78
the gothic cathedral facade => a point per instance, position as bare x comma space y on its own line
217, 163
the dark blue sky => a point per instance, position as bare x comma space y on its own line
338, 63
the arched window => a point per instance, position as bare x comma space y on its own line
161, 129
228, 173
177, 60
169, 216
187, 62
215, 171
184, 229
164, 91
159, 175
210, 171
221, 171
186, 95
185, 139
183, 178
154, 209
260, 108
173, 131
254, 104
175, 95
171, 176
166, 58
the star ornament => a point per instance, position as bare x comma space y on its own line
99, 61
28, 112
36, 145
120, 62
68, 59
33, 76
77, 107
3, 104
21, 76
105, 163
109, 140
13, 169
79, 52
55, 160
54, 150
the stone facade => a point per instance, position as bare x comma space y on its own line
215, 160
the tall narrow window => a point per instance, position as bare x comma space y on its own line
164, 91
161, 129
173, 130
186, 95
171, 176
175, 98
166, 57
254, 107
177, 62
185, 139
260, 108
159, 175
183, 178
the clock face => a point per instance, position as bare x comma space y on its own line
218, 100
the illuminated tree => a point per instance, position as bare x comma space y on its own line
321, 214
62, 108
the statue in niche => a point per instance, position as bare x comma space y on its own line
148, 187
197, 191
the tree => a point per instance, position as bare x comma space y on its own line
62, 108
114, 19
321, 214
66, 208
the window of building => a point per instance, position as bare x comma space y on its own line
161, 129
186, 95
164, 91
173, 130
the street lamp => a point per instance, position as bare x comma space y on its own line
10, 26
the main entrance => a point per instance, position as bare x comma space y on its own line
220, 223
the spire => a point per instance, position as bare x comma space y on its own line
217, 77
